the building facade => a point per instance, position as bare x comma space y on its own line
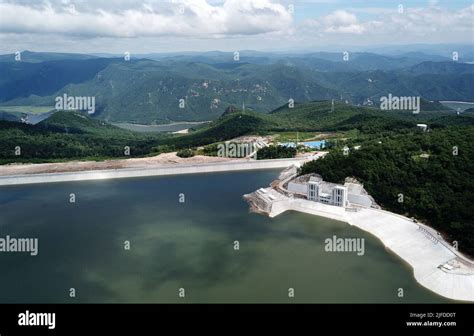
327, 193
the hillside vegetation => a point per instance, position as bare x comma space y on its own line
437, 187
72, 135
149, 91
69, 135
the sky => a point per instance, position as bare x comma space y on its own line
118, 26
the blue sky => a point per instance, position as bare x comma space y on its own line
115, 26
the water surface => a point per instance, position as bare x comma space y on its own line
173, 127
186, 245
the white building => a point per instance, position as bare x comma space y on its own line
327, 193
423, 127
314, 188
345, 150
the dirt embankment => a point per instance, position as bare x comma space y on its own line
165, 159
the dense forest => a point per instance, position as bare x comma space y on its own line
74, 135
276, 152
434, 171
69, 136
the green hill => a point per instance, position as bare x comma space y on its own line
78, 122
438, 188
319, 116
20, 80
147, 91
8, 116
71, 135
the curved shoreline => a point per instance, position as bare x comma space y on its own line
417, 245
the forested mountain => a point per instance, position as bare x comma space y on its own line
36, 57
196, 87
23, 79
72, 135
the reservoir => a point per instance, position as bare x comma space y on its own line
173, 127
458, 105
182, 232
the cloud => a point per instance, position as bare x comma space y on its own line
177, 25
340, 21
432, 19
421, 22
190, 18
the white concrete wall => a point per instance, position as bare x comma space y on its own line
401, 236
297, 187
359, 199
142, 172
311, 207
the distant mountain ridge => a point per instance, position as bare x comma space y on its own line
36, 57
22, 79
200, 86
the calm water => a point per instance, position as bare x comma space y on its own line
159, 128
184, 245
458, 105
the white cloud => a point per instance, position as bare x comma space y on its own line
158, 25
192, 18
340, 18
428, 20
340, 21
421, 22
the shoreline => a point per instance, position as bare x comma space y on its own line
159, 128
157, 170
436, 265
455, 101
161, 160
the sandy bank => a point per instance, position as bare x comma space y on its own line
164, 159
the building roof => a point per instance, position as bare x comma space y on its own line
324, 187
